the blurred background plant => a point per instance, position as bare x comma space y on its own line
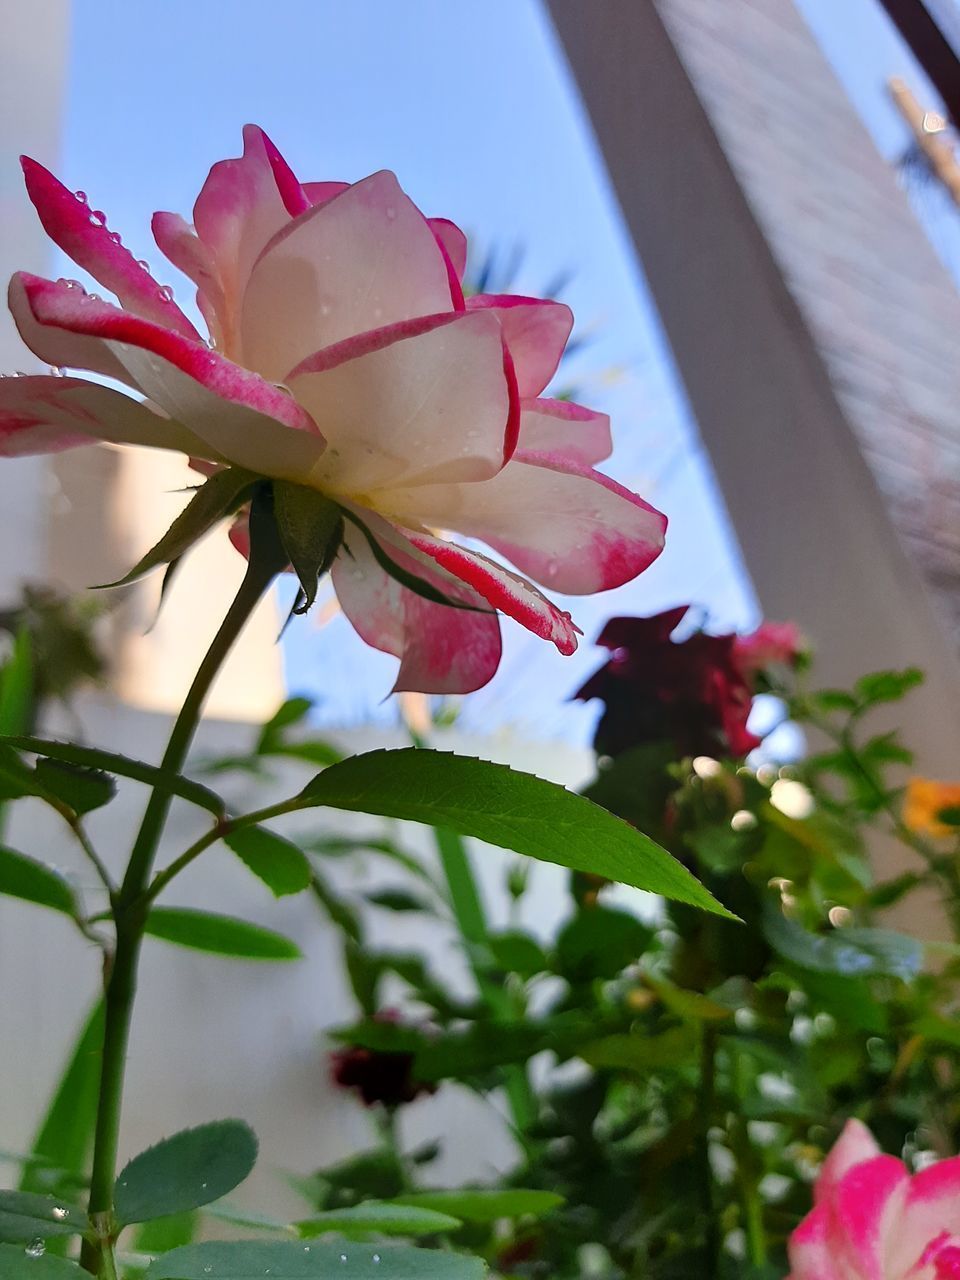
673, 1080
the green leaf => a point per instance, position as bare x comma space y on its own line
311, 530
27, 1216
225, 1212
16, 686
17, 1264
849, 951
397, 900
92, 757
638, 1052
383, 1217
162, 1234
23, 877
65, 1134
599, 942
221, 935
293, 711
514, 810
79, 788
483, 1205
516, 952
224, 493
291, 1260
887, 686
276, 861
16, 779
183, 1172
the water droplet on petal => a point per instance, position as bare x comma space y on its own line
81, 196
343, 1257
58, 371
376, 1257
97, 217
36, 1248
70, 284
94, 297
143, 264
166, 293
115, 237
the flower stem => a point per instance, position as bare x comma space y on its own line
130, 904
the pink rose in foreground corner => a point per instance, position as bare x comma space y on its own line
772, 644
345, 364
872, 1221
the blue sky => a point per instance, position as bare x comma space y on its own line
472, 107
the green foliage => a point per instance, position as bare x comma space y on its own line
253, 1260
82, 790
63, 1139
34, 1263
93, 758
23, 877
311, 530
221, 935
503, 807
276, 861
183, 1172
224, 493
384, 1218
26, 1215
485, 1204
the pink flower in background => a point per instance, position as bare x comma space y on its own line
344, 358
872, 1221
772, 644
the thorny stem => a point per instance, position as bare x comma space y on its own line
130, 903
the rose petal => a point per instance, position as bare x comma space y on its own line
504, 590
40, 414
178, 241
932, 1208
536, 331
413, 403
85, 238
321, 192
562, 524
566, 429
454, 242
855, 1144
441, 649
241, 417
238, 210
810, 1249
865, 1210
365, 259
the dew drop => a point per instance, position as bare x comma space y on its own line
376, 1257
58, 371
166, 293
207, 1270
306, 1248
203, 1186
343, 1257
70, 284
143, 264
36, 1248
97, 217
81, 196
58, 1210
115, 237
94, 297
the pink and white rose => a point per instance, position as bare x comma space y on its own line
343, 357
872, 1221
